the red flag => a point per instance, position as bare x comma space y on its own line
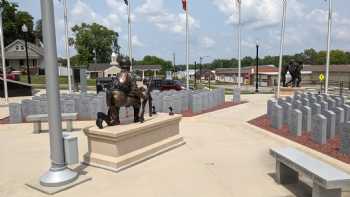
184, 4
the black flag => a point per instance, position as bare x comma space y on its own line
126, 2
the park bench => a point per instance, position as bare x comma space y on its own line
37, 119
327, 180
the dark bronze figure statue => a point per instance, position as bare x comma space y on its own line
125, 93
294, 69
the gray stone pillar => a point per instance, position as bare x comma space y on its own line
296, 123
319, 129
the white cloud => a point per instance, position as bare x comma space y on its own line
136, 41
155, 13
257, 14
207, 42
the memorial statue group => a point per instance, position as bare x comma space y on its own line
294, 68
125, 93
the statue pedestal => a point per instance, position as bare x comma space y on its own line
119, 147
289, 91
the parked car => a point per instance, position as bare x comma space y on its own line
164, 85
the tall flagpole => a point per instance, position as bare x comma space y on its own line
284, 14
58, 174
329, 34
187, 49
67, 46
4, 76
239, 44
129, 35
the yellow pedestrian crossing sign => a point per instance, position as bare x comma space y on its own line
321, 77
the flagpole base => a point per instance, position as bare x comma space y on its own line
57, 178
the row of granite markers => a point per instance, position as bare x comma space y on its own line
322, 116
87, 105
181, 101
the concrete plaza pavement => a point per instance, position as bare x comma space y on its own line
223, 156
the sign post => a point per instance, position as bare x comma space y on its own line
322, 78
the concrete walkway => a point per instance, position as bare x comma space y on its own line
224, 156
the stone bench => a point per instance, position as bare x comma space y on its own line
37, 119
327, 180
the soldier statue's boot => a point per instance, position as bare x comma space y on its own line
100, 118
136, 118
99, 123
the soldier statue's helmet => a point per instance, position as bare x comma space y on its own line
124, 63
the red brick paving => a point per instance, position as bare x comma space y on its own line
331, 148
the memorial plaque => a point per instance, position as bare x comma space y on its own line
277, 116
295, 127
68, 106
307, 118
315, 109
345, 139
84, 108
236, 95
340, 117
270, 103
289, 99
27, 108
43, 107
305, 102
346, 112
331, 104
331, 120
319, 129
15, 112
93, 104
324, 106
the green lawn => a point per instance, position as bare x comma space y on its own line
39, 81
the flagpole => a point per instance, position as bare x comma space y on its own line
187, 50
4, 76
239, 45
281, 47
129, 35
67, 46
329, 34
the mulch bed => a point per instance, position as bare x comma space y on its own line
189, 113
331, 148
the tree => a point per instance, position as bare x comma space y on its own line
154, 60
13, 21
39, 30
90, 38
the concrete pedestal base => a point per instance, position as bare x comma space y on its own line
288, 91
119, 147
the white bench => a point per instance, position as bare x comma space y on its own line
37, 119
327, 180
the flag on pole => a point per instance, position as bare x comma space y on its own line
184, 4
126, 2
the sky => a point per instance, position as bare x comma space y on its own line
158, 26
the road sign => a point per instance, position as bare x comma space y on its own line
321, 77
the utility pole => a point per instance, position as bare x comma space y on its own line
67, 46
200, 69
174, 62
195, 74
257, 68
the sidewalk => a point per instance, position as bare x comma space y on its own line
224, 156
